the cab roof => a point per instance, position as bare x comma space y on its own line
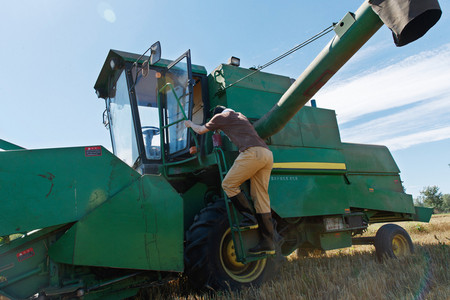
102, 84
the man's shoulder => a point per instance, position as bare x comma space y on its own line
226, 115
215, 122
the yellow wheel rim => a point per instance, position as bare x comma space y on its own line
400, 246
238, 271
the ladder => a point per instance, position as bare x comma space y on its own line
241, 255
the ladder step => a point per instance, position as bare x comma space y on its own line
253, 257
236, 228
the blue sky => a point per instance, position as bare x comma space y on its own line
52, 52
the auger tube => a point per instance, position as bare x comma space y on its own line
352, 32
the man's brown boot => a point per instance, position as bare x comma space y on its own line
265, 245
240, 202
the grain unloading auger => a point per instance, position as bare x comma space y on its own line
82, 222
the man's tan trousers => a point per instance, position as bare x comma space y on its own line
255, 164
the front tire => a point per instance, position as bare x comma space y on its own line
392, 241
211, 258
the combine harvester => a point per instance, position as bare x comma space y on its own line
85, 223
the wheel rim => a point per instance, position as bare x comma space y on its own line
238, 271
400, 246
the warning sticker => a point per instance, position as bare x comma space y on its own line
21, 256
93, 151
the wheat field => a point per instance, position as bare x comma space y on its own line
352, 273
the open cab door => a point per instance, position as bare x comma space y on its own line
175, 100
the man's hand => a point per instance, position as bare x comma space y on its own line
200, 129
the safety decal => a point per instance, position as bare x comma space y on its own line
93, 151
21, 256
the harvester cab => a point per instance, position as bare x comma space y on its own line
151, 96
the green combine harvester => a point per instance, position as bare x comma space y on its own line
86, 223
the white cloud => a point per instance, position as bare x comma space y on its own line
403, 142
427, 116
420, 82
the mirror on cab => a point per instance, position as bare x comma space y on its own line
155, 53
155, 56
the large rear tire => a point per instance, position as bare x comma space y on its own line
211, 258
393, 241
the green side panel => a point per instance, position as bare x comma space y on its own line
369, 158
41, 188
323, 155
423, 214
194, 201
319, 128
139, 228
374, 179
290, 135
379, 193
272, 83
240, 99
307, 195
310, 127
330, 241
253, 96
307, 192
64, 249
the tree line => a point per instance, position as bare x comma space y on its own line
430, 196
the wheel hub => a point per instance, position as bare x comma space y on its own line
238, 271
231, 255
400, 246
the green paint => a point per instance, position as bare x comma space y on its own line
330, 241
47, 187
5, 145
137, 220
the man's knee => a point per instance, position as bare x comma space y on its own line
229, 189
225, 184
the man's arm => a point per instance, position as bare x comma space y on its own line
200, 129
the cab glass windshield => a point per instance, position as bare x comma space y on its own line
121, 123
